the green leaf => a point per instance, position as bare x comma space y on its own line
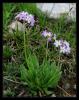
40, 77
23, 71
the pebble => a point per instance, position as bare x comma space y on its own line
69, 76
53, 95
74, 95
13, 26
74, 86
4, 92
67, 86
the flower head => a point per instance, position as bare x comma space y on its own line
24, 16
63, 46
57, 43
47, 34
49, 39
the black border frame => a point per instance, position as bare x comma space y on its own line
1, 42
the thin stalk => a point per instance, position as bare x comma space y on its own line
14, 81
51, 9
46, 49
63, 90
25, 48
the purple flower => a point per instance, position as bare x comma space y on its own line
63, 46
46, 34
49, 39
30, 19
57, 43
24, 16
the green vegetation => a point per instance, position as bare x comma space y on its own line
25, 67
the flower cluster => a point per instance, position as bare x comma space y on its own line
63, 45
26, 17
49, 35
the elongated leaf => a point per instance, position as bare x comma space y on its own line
23, 71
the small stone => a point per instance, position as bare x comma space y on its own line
4, 92
16, 24
69, 76
74, 86
67, 86
53, 95
74, 95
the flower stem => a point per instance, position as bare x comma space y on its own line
25, 48
46, 49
